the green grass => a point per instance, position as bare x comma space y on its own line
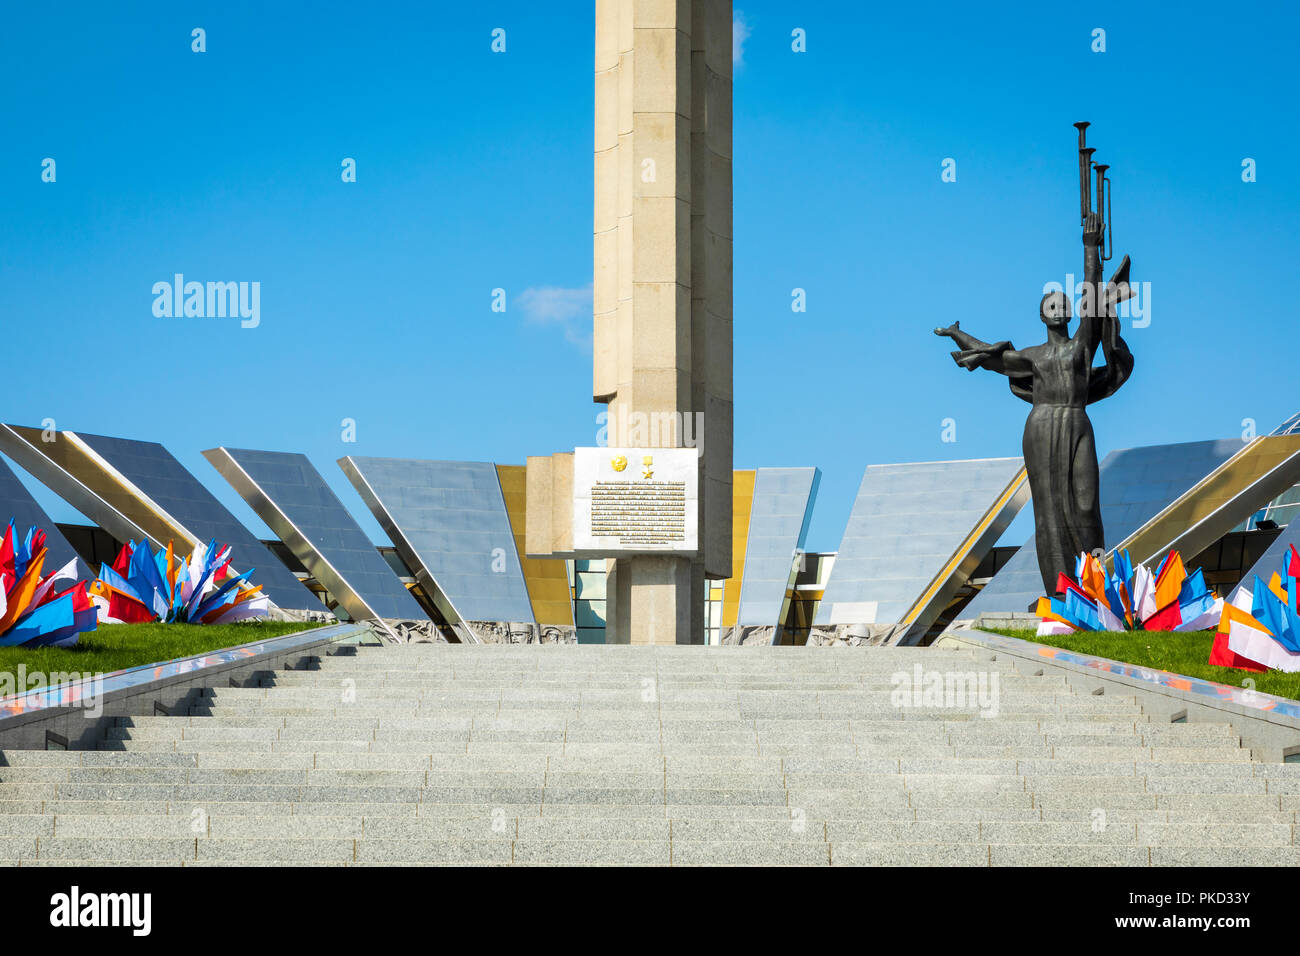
1183, 653
115, 647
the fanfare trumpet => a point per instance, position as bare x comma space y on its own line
1087, 168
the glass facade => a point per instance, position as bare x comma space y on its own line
588, 583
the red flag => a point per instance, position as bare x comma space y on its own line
7, 555
1221, 655
1165, 619
123, 562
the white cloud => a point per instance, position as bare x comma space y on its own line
739, 34
567, 309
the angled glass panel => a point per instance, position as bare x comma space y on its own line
449, 520
16, 502
289, 494
1261, 470
778, 521
156, 473
912, 531
1136, 485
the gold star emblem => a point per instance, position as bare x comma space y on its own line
647, 472
618, 462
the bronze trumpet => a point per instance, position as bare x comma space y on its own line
1086, 168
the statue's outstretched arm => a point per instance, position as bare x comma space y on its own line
999, 357
963, 340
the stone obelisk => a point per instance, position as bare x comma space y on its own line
662, 293
662, 283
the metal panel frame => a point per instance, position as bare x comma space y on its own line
293, 537
752, 559
953, 577
1003, 480
406, 551
59, 547
16, 443
74, 469
1155, 542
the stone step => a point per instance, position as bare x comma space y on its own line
350, 719
705, 678
835, 805
699, 676
717, 687
556, 749
1021, 710
668, 738
851, 855
346, 721
836, 742
711, 687
1077, 733
867, 761
678, 852
35, 818
902, 773
949, 792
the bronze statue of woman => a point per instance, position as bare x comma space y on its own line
1059, 380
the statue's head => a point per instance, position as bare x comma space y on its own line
1054, 309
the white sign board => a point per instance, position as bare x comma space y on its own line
635, 501
854, 612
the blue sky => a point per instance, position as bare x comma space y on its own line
474, 172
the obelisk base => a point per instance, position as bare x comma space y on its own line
655, 599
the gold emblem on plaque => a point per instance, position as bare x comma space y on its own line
647, 472
618, 462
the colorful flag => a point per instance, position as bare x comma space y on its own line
1259, 628
34, 612
1129, 598
144, 585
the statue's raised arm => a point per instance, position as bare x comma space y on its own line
1092, 305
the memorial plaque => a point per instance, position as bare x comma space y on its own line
635, 501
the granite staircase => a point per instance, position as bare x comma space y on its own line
488, 755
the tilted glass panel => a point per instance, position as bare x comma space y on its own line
71, 458
782, 499
1207, 512
156, 472
453, 515
1136, 484
328, 532
907, 522
16, 502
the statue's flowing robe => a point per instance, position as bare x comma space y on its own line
1060, 454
